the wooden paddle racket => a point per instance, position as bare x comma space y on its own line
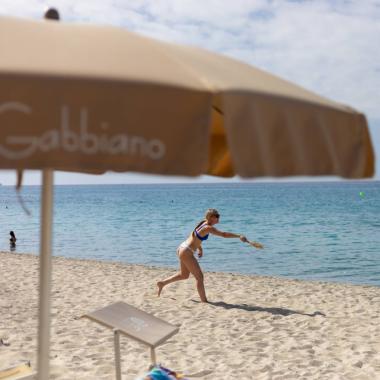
255, 244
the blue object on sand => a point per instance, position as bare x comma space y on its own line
161, 373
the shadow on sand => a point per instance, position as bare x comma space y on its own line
272, 310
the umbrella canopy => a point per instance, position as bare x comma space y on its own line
91, 99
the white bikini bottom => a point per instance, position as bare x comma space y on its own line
185, 246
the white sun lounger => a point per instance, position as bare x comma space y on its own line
134, 323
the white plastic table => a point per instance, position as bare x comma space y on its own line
135, 324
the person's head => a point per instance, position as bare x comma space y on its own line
12, 234
212, 216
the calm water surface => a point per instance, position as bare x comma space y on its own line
312, 230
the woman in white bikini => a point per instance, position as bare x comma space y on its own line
186, 251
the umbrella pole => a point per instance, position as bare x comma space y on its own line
45, 274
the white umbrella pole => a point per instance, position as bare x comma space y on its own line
45, 274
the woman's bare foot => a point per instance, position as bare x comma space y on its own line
160, 286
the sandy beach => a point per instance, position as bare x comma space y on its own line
254, 328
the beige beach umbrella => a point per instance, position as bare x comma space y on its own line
91, 98
95, 98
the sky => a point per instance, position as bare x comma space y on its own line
330, 47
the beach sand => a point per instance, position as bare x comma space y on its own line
255, 328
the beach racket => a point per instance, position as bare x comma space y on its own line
255, 244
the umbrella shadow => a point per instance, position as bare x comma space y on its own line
273, 310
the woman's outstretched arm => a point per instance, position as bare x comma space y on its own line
215, 231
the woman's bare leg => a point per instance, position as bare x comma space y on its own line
193, 266
182, 275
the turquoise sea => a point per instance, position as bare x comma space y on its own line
311, 230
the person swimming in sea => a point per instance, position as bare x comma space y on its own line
187, 249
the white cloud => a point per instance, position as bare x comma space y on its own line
331, 52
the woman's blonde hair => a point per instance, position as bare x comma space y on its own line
211, 212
